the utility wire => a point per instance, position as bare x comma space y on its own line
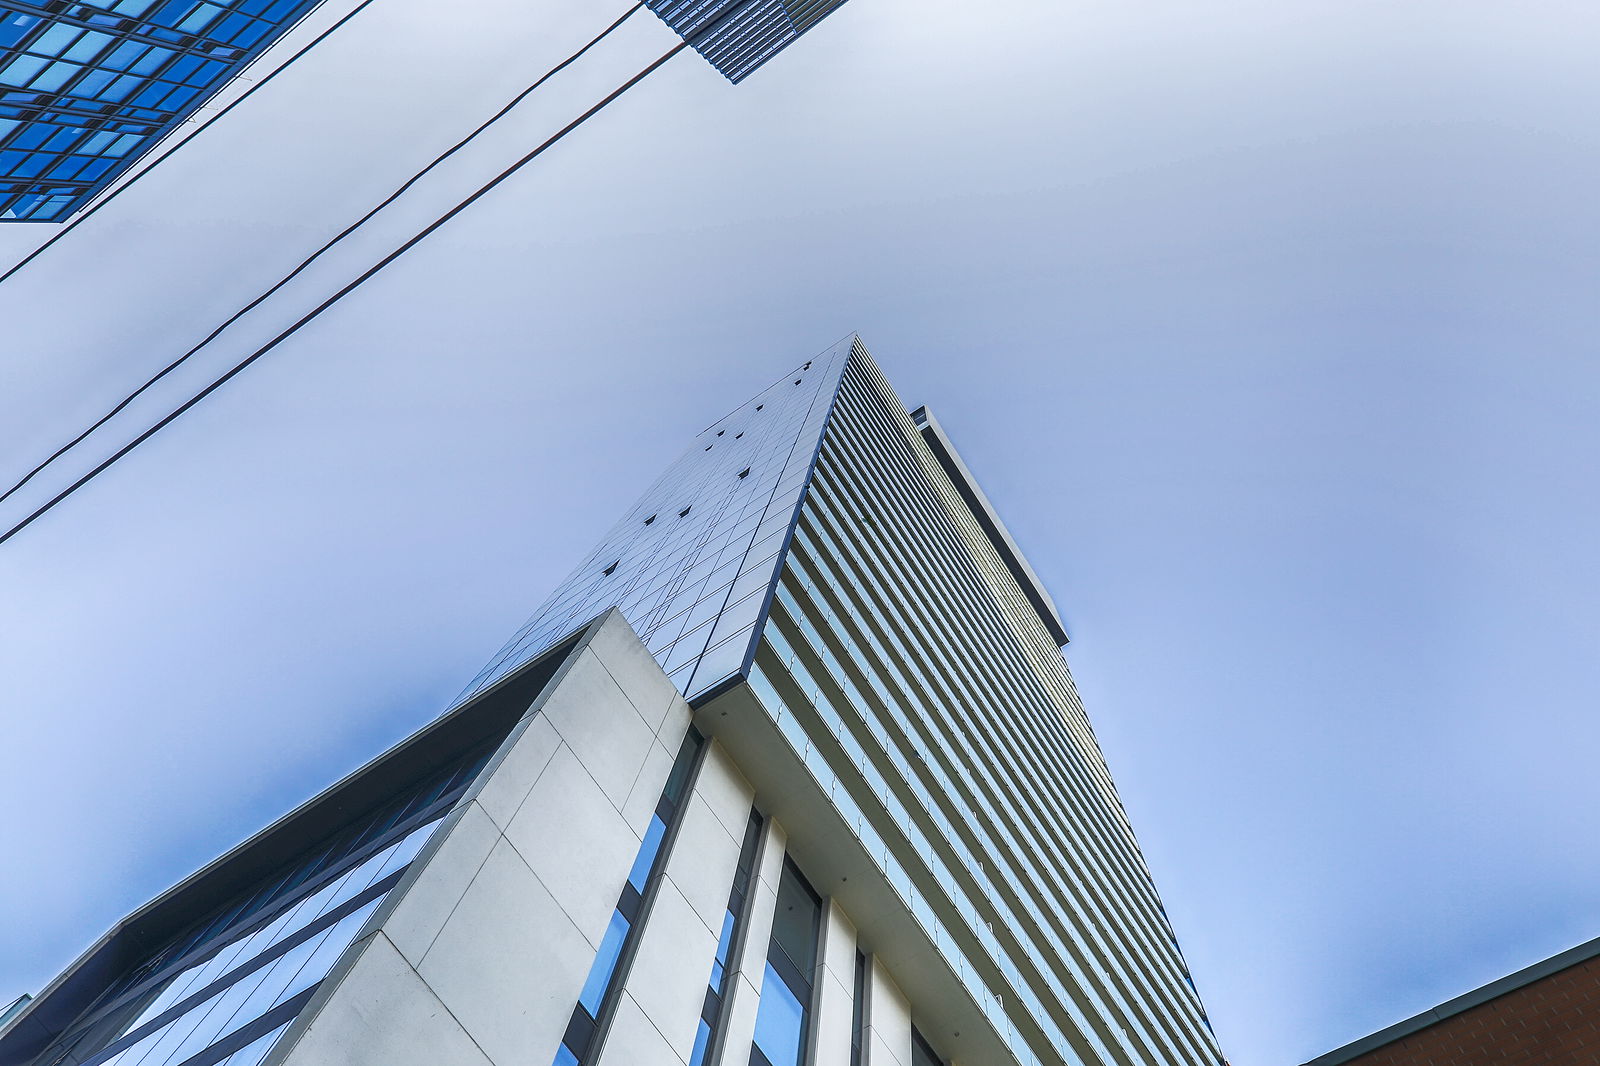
314, 256
114, 193
477, 195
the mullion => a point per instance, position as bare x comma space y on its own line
248, 1034
249, 966
266, 915
199, 41
455, 779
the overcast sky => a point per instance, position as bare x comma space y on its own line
1269, 327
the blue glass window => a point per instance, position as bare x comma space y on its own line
784, 1013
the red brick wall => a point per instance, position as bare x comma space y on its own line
1554, 1021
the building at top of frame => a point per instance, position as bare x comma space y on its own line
88, 89
789, 772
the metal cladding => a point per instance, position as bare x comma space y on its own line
86, 89
737, 36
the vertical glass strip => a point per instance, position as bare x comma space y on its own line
595, 1002
858, 1009
784, 1016
732, 923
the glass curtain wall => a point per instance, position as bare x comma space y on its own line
222, 991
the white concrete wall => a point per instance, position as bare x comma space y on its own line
479, 954
659, 1012
833, 989
887, 1041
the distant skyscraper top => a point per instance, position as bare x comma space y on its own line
737, 36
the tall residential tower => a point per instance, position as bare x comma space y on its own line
789, 772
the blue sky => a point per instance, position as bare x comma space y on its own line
1270, 329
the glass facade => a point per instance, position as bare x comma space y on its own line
222, 990
88, 88
690, 566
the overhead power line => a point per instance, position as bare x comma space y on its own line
411, 242
123, 403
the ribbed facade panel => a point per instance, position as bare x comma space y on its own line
737, 36
973, 774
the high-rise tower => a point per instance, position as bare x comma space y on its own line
826, 796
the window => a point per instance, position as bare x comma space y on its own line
782, 1019
235, 979
922, 1053
858, 1010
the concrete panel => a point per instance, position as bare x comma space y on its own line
675, 723
703, 861
739, 1028
421, 910
633, 1041
633, 668
835, 1018
382, 1014
888, 1036
838, 953
725, 790
577, 844
598, 722
646, 791
668, 977
834, 996
509, 963
506, 784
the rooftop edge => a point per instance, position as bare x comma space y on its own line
1461, 1004
1032, 588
